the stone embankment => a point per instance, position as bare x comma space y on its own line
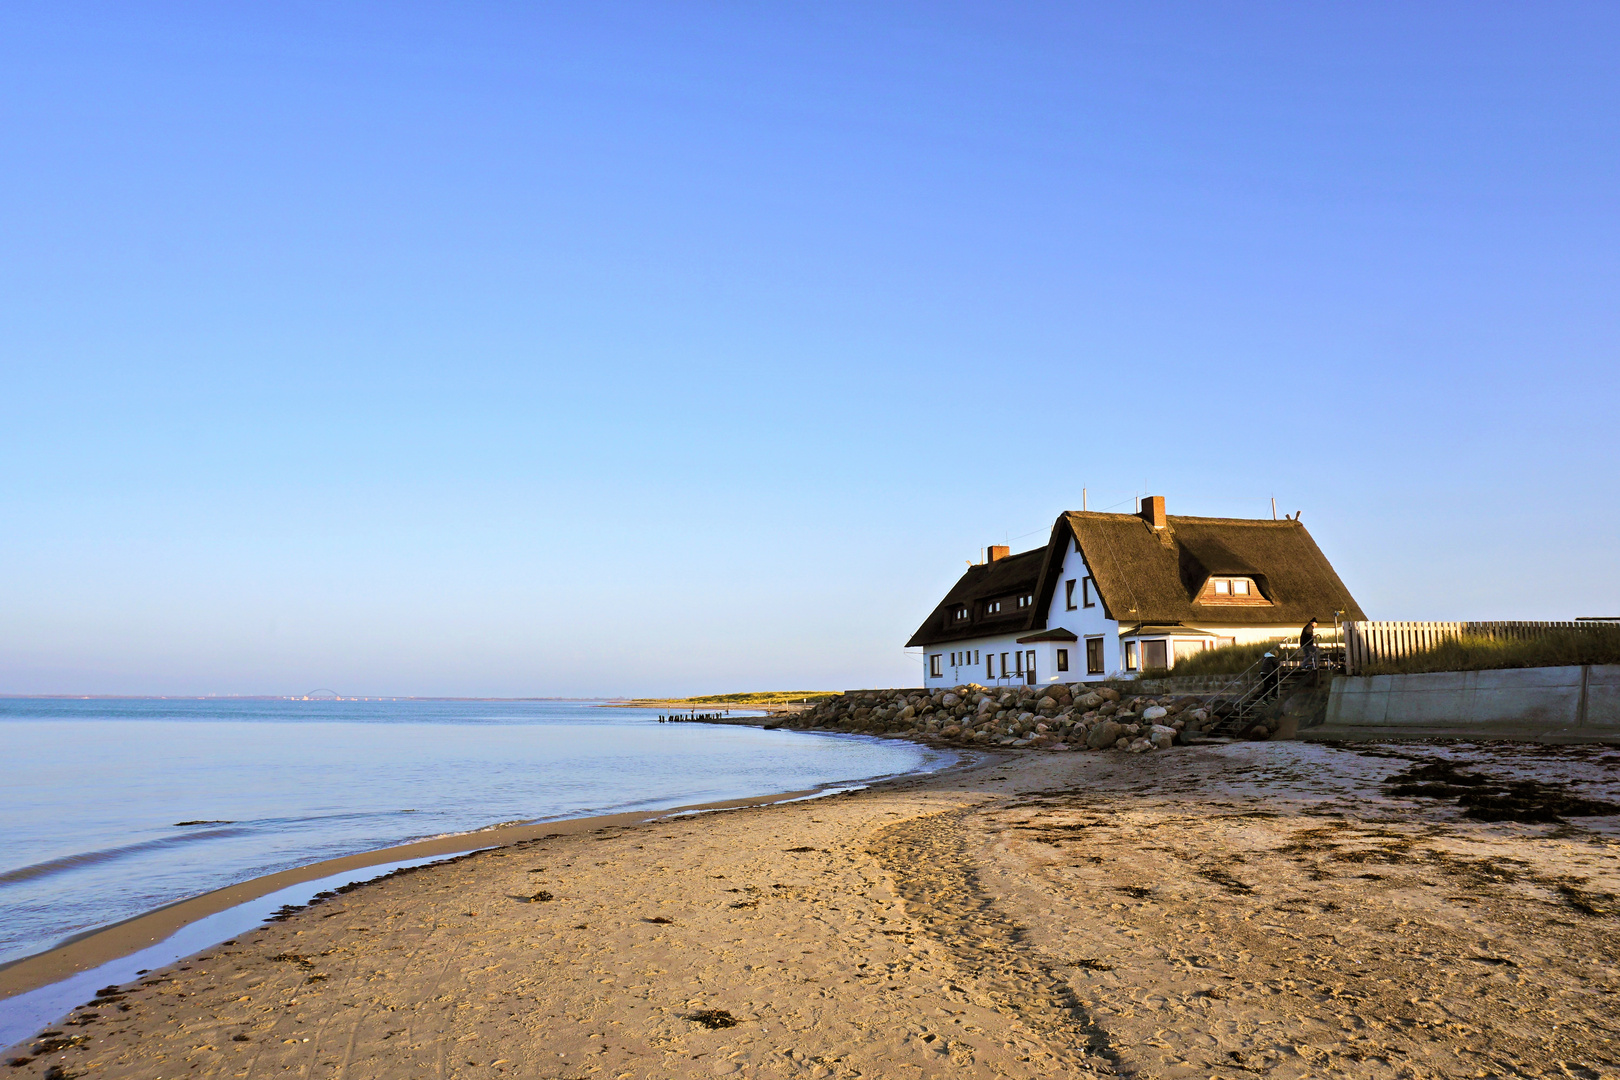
1057, 717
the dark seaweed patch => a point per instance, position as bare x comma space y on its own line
1587, 903
58, 1043
1531, 802
1226, 881
1485, 798
712, 1018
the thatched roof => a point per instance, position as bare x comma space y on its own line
1148, 575
1005, 579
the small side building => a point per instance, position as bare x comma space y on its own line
1117, 594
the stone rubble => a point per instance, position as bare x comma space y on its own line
1076, 716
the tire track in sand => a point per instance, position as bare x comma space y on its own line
936, 877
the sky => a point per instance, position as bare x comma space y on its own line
515, 349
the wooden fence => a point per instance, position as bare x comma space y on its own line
1374, 642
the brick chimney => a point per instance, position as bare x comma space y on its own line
996, 551
1152, 511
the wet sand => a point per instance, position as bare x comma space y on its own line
1231, 911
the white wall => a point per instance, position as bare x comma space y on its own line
974, 673
1084, 622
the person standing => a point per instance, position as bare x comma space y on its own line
1307, 645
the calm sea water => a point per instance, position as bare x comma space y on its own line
94, 792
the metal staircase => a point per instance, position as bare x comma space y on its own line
1269, 680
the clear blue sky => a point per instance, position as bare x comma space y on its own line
608, 348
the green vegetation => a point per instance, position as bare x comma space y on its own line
1225, 660
1598, 644
757, 697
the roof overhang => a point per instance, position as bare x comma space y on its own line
1176, 630
1055, 634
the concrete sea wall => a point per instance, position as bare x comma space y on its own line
1553, 704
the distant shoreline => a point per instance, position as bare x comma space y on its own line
275, 697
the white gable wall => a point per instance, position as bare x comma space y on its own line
1084, 622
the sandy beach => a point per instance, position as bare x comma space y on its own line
1223, 910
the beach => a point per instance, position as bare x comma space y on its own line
1223, 910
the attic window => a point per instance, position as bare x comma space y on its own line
991, 607
961, 613
1026, 601
1233, 586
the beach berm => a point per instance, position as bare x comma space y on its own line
1279, 909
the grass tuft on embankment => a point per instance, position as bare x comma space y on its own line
1470, 652
1225, 660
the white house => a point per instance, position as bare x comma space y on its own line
1115, 594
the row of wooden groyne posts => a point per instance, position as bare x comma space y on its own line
691, 718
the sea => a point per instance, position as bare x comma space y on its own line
111, 808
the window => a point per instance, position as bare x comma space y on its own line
1068, 594
1094, 656
1088, 590
1003, 665
990, 666
1185, 649
934, 671
1234, 587
961, 613
1131, 662
992, 606
1018, 658
1155, 655
1026, 601
975, 656
1063, 660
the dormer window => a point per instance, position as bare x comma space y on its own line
1230, 589
991, 607
961, 613
1026, 601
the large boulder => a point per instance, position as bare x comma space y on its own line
1161, 737
950, 700
1155, 712
1090, 701
1108, 708
1107, 693
1104, 734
